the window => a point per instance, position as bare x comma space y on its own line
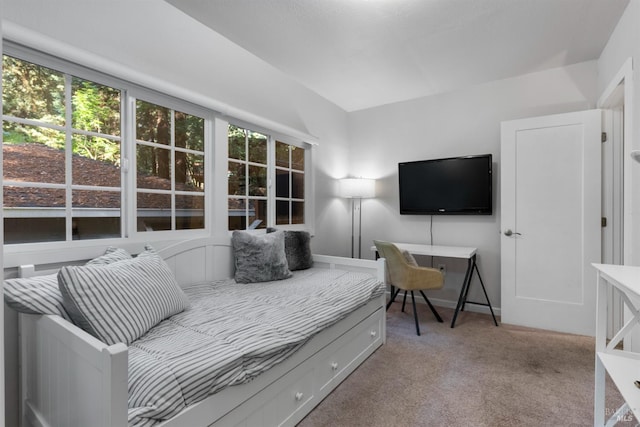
63, 148
170, 169
62, 177
289, 184
89, 156
247, 179
255, 159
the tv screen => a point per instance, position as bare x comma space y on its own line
452, 186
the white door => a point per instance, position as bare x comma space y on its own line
550, 221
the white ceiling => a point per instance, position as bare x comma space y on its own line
365, 53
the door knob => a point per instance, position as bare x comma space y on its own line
508, 233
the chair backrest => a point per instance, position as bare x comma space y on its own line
402, 274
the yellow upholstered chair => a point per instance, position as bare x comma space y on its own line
405, 274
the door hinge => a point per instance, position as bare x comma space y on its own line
603, 221
603, 137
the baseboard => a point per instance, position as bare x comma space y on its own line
452, 305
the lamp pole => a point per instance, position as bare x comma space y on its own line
357, 188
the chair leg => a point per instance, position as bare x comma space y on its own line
433, 309
415, 313
404, 300
393, 298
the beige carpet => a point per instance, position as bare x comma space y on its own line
473, 375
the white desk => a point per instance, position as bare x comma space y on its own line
441, 251
623, 366
467, 253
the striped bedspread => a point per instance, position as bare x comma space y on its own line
233, 332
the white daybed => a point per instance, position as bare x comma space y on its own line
69, 378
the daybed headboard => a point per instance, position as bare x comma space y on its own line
192, 261
199, 260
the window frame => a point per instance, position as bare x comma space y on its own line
153, 97
217, 115
129, 92
273, 137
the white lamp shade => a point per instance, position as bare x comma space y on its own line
357, 188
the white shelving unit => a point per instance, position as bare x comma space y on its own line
623, 366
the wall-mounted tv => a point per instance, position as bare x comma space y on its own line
451, 186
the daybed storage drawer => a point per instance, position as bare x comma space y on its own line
288, 400
294, 398
286, 404
347, 351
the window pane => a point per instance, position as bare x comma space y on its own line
237, 214
96, 203
154, 212
95, 107
189, 212
153, 166
237, 140
237, 179
257, 148
297, 158
297, 185
257, 214
33, 197
297, 212
282, 183
33, 162
20, 134
33, 230
282, 154
96, 214
257, 181
96, 161
189, 131
33, 214
282, 212
189, 172
30, 91
153, 123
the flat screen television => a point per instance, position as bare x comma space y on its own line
451, 186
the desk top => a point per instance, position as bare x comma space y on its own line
625, 277
433, 250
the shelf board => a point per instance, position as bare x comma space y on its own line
624, 370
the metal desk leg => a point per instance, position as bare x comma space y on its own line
465, 288
464, 292
485, 294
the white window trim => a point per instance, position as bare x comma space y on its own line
309, 175
59, 55
129, 93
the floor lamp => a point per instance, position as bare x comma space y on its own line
357, 189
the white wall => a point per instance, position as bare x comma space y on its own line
463, 122
624, 43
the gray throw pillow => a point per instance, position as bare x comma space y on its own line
297, 248
259, 257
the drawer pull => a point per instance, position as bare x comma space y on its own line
334, 366
299, 396
373, 334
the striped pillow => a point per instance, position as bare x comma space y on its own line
112, 254
121, 301
41, 295
35, 295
